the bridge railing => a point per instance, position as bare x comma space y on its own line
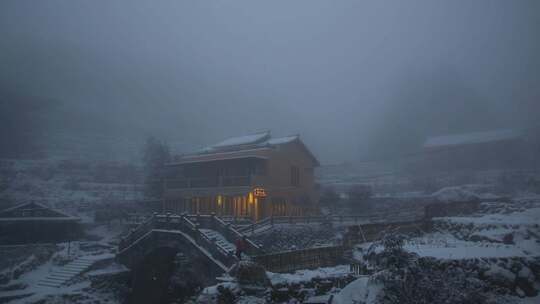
191, 228
226, 229
137, 232
231, 234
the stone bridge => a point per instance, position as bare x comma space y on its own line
197, 236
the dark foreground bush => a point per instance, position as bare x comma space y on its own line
409, 279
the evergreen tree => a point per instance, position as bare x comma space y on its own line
155, 155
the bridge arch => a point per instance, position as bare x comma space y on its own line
150, 278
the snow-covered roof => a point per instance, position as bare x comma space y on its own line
470, 138
243, 140
11, 214
252, 141
242, 146
282, 140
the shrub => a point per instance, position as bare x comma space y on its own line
409, 279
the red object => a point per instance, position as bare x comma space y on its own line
240, 245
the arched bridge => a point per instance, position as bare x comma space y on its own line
205, 236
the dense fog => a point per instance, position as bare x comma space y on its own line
357, 79
264, 152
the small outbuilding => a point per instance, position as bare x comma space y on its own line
36, 223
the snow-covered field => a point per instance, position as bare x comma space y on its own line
511, 231
303, 276
78, 263
66, 185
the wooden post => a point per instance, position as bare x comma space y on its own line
213, 217
167, 220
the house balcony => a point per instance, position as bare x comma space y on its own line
213, 182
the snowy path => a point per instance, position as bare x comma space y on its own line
62, 274
47, 278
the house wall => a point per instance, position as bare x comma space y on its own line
280, 170
26, 232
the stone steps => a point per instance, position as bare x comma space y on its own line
61, 275
219, 239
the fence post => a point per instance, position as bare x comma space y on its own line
168, 220
182, 221
214, 221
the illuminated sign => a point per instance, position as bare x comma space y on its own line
259, 192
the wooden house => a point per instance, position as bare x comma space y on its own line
253, 176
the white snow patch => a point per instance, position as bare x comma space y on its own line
282, 140
455, 194
526, 217
242, 140
361, 290
307, 275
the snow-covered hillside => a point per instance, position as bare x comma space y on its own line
72, 186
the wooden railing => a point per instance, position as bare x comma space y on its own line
289, 261
226, 229
183, 223
374, 217
210, 182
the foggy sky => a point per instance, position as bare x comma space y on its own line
357, 79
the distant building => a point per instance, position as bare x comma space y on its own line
36, 223
498, 149
252, 176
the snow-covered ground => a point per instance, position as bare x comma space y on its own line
500, 229
306, 275
73, 188
525, 217
30, 285
68, 266
362, 290
512, 231
284, 237
446, 246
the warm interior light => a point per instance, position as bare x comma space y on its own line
219, 200
250, 198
